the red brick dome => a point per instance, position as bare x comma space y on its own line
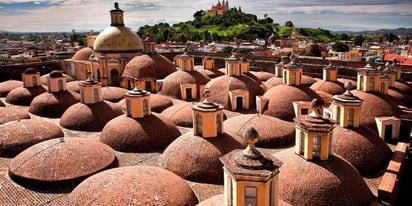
211, 73
149, 65
8, 114
308, 80
158, 103
55, 74
219, 89
83, 54
30, 71
181, 114
281, 100
272, 82
171, 84
53, 104
23, 96
262, 75
133, 185
328, 87
196, 158
74, 86
150, 133
363, 148
113, 94
19, 135
89, 117
7, 86
402, 99
273, 132
321, 183
61, 161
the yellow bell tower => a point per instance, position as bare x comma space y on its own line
250, 177
346, 108
314, 134
292, 72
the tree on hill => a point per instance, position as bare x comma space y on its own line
289, 24
358, 40
340, 47
314, 50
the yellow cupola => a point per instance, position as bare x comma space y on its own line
138, 103
292, 72
90, 91
346, 108
232, 65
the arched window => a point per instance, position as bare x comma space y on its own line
128, 107
34, 80
351, 116
338, 114
145, 107
372, 84
60, 84
293, 78
361, 82
218, 123
96, 95
317, 140
199, 125
302, 143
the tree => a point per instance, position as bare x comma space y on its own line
358, 40
289, 24
227, 49
314, 50
198, 14
340, 47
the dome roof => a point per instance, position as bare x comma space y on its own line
403, 87
307, 80
281, 98
273, 81
262, 75
181, 114
403, 99
149, 65
113, 94
322, 183
7, 86
219, 89
133, 185
74, 86
8, 114
273, 132
171, 84
89, 117
53, 104
219, 200
328, 87
386, 104
83, 54
158, 103
363, 148
118, 39
211, 73
24, 96
19, 135
30, 71
150, 133
43, 78
196, 158
61, 161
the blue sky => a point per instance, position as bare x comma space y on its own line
83, 15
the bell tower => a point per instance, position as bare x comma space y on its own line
292, 72
138, 103
232, 66
346, 108
90, 90
116, 15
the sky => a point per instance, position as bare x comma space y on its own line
83, 15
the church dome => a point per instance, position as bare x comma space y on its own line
133, 185
118, 39
262, 75
180, 114
24, 96
53, 104
328, 87
83, 54
8, 114
149, 65
171, 84
7, 86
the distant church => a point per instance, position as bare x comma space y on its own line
219, 8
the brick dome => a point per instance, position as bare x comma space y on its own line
133, 185
211, 73
262, 75
7, 86
402, 99
196, 158
53, 104
158, 103
171, 84
322, 183
363, 148
23, 96
403, 87
150, 133
8, 114
83, 54
273, 132
181, 114
19, 135
219, 89
74, 86
54, 74
113, 94
281, 100
61, 162
89, 117
308, 80
149, 65
328, 87
272, 82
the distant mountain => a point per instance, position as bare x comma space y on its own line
398, 31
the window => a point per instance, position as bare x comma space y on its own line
317, 140
145, 107
60, 84
272, 193
285, 79
219, 123
293, 78
34, 80
338, 114
328, 75
372, 84
351, 115
96, 95
128, 107
361, 83
199, 125
250, 196
189, 93
382, 87
302, 143
304, 111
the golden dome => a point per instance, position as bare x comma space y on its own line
118, 39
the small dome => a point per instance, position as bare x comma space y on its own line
19, 135
153, 65
220, 87
281, 100
53, 104
113, 94
8, 114
30, 71
273, 132
262, 75
23, 96
74, 86
62, 162
211, 73
274, 81
403, 99
307, 80
403, 87
196, 158
89, 117
328, 87
7, 86
322, 183
181, 114
363, 148
118, 39
133, 185
171, 84
344, 80
158, 103
150, 133
83, 54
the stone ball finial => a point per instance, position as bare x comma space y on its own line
251, 138
316, 106
348, 86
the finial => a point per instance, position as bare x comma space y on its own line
206, 95
316, 106
116, 5
251, 137
348, 86
293, 58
